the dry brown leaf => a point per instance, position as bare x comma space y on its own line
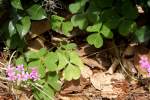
68, 97
39, 27
36, 44
103, 82
92, 63
86, 72
74, 85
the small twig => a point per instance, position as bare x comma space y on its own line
11, 57
2, 63
100, 52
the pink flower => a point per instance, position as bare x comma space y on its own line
25, 76
12, 78
144, 62
34, 74
20, 68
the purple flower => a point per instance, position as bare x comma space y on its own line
144, 62
19, 73
12, 78
20, 68
25, 76
34, 74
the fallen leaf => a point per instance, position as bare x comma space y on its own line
86, 72
103, 82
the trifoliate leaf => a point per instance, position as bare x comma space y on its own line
67, 27
95, 39
71, 72
106, 32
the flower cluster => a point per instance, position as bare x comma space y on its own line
144, 62
19, 73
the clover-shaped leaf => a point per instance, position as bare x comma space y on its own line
95, 39
71, 72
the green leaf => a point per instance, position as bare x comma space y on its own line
95, 28
36, 12
42, 52
95, 39
50, 61
148, 3
71, 72
70, 46
128, 10
56, 22
49, 91
11, 28
77, 6
93, 17
31, 55
62, 60
75, 59
106, 32
80, 21
126, 27
53, 81
16, 4
21, 60
103, 3
38, 64
26, 23
113, 22
67, 27
142, 34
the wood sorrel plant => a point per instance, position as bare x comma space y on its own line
50, 65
